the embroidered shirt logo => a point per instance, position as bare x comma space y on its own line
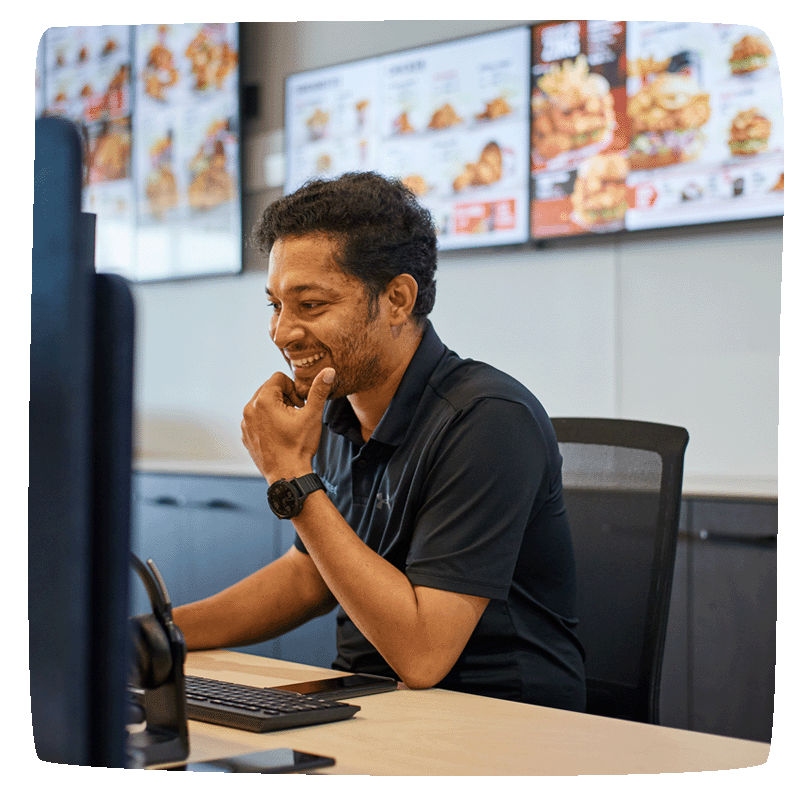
381, 501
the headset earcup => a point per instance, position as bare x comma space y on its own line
151, 654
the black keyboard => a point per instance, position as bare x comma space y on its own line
255, 709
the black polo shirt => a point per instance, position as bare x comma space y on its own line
459, 487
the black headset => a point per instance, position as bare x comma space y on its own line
154, 637
158, 652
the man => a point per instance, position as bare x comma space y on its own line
428, 499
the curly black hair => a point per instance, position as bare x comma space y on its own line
380, 229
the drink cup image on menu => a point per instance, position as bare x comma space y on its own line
317, 124
362, 109
402, 124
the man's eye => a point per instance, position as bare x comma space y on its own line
274, 306
311, 306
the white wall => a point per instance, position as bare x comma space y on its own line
675, 326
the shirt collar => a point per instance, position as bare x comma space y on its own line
340, 417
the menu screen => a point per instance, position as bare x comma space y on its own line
450, 120
644, 125
579, 130
159, 110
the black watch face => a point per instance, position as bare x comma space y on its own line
283, 499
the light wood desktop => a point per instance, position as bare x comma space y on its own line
438, 732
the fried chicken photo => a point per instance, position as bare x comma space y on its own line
572, 108
494, 109
642, 67
402, 124
160, 72
444, 117
416, 183
487, 169
211, 62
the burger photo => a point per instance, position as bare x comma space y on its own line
749, 133
749, 54
599, 195
666, 117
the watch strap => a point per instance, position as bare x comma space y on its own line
308, 483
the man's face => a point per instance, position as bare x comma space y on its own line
321, 318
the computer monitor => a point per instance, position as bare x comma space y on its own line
79, 497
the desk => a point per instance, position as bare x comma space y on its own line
438, 732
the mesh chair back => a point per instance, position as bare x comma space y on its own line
622, 489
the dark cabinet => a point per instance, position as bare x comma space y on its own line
204, 534
719, 662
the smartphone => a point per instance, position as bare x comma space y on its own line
343, 686
280, 759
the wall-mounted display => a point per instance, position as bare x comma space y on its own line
451, 120
159, 108
559, 129
579, 129
641, 125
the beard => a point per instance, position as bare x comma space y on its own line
351, 377
356, 357
354, 378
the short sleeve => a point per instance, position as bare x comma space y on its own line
481, 491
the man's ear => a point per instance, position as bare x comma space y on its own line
401, 294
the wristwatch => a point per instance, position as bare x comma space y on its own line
286, 498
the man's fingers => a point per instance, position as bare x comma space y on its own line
320, 389
278, 386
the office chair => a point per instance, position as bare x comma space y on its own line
622, 490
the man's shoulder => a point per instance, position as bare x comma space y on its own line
461, 382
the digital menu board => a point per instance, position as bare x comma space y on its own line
642, 125
451, 120
159, 109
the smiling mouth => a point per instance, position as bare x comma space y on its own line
302, 363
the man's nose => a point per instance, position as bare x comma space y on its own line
285, 329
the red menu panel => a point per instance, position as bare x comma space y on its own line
579, 132
640, 125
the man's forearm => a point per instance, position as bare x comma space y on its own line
272, 601
419, 631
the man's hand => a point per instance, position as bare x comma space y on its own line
280, 431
